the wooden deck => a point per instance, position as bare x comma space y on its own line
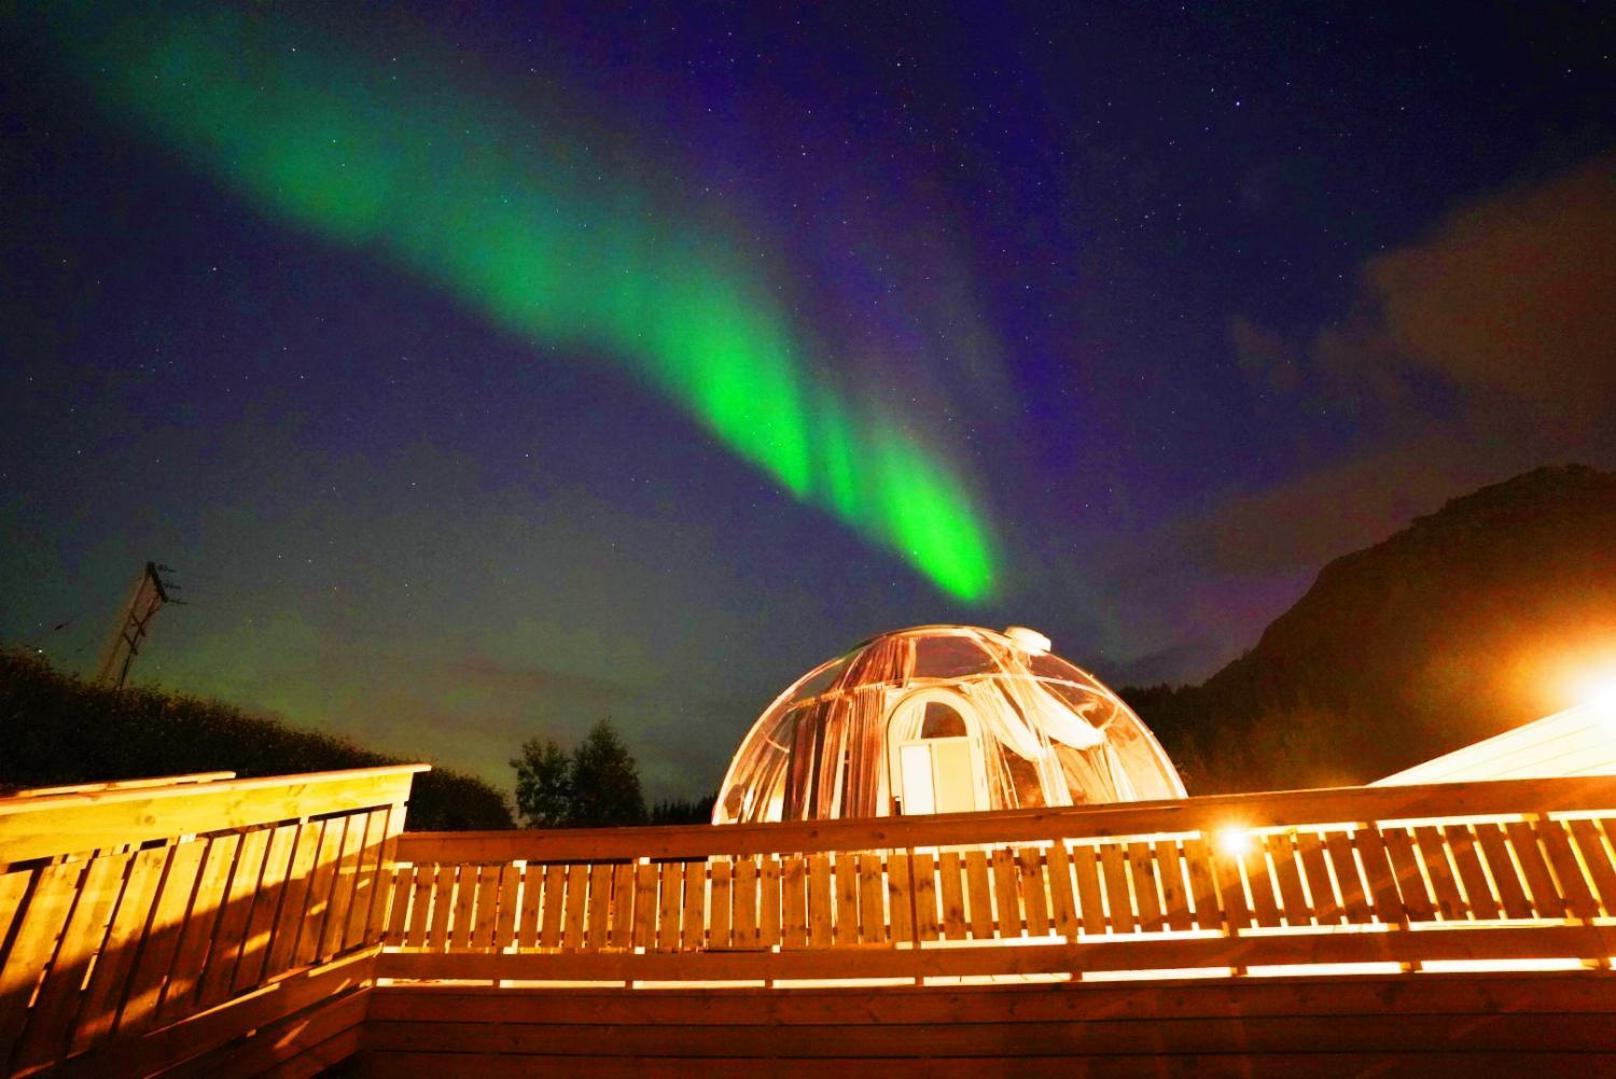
215, 925
144, 923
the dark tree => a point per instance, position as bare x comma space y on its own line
683, 811
605, 781
597, 785
544, 797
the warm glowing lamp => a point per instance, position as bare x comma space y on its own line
1603, 697
1588, 680
1596, 693
1233, 841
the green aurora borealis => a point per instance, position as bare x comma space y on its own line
471, 195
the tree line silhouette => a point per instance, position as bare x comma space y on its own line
58, 729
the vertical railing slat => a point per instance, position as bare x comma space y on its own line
1118, 893
1142, 871
510, 886
1310, 855
820, 901
1377, 868
1175, 896
527, 929
110, 981
1434, 853
1062, 898
1034, 890
743, 902
575, 916
398, 881
370, 878
670, 891
179, 997
900, 896
1229, 882
162, 937
1411, 888
464, 907
294, 898
1006, 894
769, 881
718, 869
645, 906
42, 923
623, 889
1597, 856
1579, 898
1338, 848
344, 885
600, 905
1478, 891
418, 929
872, 906
928, 888
1282, 852
1546, 900
322, 879
794, 902
381, 916
555, 891
693, 915
1501, 868
1090, 899
14, 885
979, 894
937, 880
845, 865
230, 933
490, 886
49, 1029
1203, 884
265, 907
1265, 908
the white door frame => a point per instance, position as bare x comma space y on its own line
901, 711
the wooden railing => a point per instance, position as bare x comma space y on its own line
234, 925
144, 923
1401, 877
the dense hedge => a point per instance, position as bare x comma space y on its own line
57, 729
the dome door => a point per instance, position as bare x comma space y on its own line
936, 775
933, 754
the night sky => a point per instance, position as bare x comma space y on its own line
484, 373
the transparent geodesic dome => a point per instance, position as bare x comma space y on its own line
940, 719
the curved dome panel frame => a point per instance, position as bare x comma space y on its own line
1040, 732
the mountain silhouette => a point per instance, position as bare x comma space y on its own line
1466, 623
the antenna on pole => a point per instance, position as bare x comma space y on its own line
150, 593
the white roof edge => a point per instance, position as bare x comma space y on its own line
1580, 741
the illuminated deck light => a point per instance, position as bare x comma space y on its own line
1234, 842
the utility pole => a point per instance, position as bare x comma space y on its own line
150, 593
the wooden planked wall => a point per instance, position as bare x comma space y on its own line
130, 913
1427, 1024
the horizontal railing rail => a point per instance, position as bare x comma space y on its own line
127, 910
1352, 875
122, 784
